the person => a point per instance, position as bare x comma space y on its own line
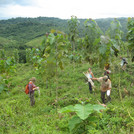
107, 72
105, 87
123, 63
32, 88
89, 75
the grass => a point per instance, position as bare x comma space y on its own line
17, 116
35, 42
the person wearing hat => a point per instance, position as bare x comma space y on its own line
107, 72
32, 88
105, 87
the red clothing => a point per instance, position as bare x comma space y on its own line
31, 86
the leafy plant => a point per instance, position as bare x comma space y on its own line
73, 24
130, 36
4, 84
92, 35
110, 43
82, 111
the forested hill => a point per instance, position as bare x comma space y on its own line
65, 103
26, 29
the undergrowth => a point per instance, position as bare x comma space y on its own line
69, 86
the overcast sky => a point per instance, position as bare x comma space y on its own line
64, 9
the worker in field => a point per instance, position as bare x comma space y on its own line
89, 74
123, 63
105, 88
32, 87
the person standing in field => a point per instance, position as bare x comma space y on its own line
90, 75
123, 63
105, 87
32, 87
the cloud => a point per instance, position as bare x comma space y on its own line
64, 9
16, 2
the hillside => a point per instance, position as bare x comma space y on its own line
26, 29
64, 104
35, 42
7, 43
67, 88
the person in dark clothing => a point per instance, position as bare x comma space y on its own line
89, 75
123, 63
32, 88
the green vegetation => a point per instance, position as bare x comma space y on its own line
35, 42
7, 43
130, 36
17, 116
58, 61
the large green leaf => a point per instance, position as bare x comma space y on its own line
115, 45
51, 38
67, 109
74, 122
83, 111
98, 108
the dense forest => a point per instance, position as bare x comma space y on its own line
26, 29
19, 32
57, 52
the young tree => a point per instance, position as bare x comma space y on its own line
115, 34
130, 36
110, 43
92, 35
91, 40
73, 24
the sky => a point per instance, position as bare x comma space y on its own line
64, 9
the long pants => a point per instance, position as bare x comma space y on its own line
90, 87
32, 101
103, 97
